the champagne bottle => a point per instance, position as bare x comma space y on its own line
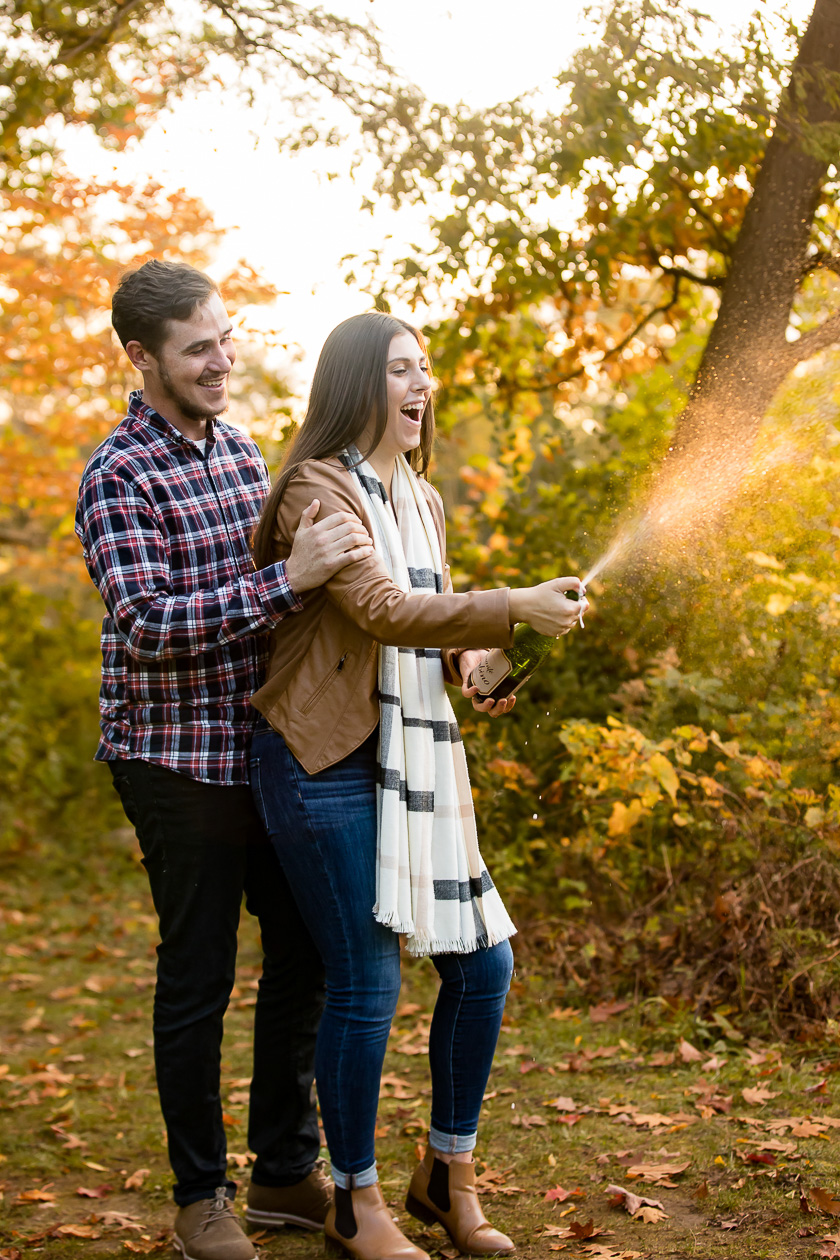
505, 670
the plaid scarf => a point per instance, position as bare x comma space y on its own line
432, 883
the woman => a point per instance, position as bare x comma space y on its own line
360, 776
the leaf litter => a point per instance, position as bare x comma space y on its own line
76, 1090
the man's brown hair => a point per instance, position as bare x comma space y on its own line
156, 292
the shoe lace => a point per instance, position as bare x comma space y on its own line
217, 1208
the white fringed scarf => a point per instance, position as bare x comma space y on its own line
432, 883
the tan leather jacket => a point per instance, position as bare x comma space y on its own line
321, 686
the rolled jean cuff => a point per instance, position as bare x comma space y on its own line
452, 1143
355, 1181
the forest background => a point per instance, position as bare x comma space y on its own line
631, 283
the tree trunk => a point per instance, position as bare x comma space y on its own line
748, 355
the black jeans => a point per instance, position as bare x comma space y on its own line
204, 845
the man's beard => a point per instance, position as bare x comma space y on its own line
187, 408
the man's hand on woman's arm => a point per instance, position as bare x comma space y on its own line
319, 551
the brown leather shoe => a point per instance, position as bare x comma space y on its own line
361, 1224
208, 1230
305, 1204
445, 1194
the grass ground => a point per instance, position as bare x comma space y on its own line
737, 1143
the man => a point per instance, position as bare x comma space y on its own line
166, 508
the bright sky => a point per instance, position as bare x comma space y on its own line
282, 214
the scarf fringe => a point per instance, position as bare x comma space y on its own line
418, 948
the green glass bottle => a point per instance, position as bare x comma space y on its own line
505, 670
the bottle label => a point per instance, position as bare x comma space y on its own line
493, 669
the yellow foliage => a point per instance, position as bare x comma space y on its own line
778, 604
664, 772
624, 817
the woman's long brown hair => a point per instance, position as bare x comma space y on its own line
348, 390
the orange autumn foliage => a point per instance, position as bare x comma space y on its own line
63, 375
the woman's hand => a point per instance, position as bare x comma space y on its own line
467, 662
546, 608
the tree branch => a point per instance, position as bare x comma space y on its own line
823, 260
98, 37
713, 282
810, 343
10, 537
537, 385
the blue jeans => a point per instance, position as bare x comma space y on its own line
323, 828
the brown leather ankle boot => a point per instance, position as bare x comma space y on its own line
361, 1223
445, 1194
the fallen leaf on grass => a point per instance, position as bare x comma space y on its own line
652, 1120
606, 1010
807, 1128
781, 1148
163, 1243
135, 1180
559, 1195
577, 1229
702, 1191
562, 1104
650, 1215
37, 1195
11, 1253
756, 1057
755, 1097
528, 1122
633, 1203
608, 1253
659, 1174
687, 1052
494, 1181
662, 1058
119, 1220
99, 1192
70, 1140
77, 1231
825, 1201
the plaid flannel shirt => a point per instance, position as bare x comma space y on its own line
165, 530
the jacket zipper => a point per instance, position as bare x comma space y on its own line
316, 696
